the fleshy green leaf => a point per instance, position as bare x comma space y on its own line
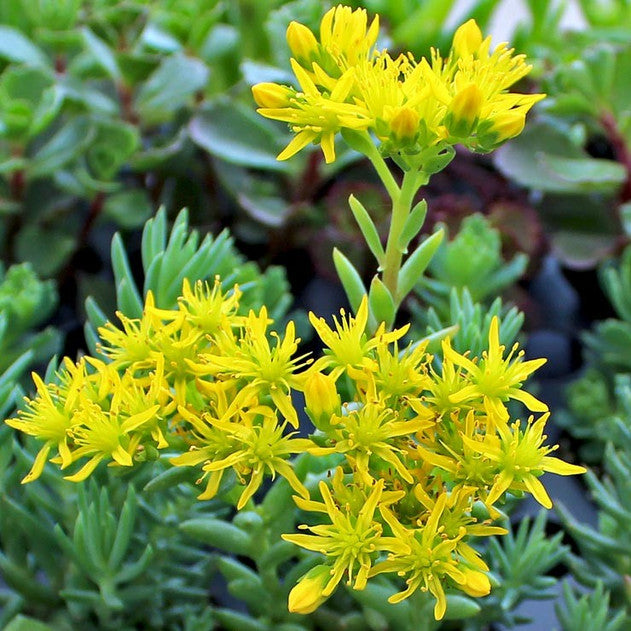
367, 227
351, 280
417, 263
234, 133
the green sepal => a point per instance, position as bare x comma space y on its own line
417, 263
460, 607
218, 533
437, 159
413, 225
351, 280
368, 228
381, 303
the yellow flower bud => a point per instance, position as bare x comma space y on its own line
508, 125
467, 39
476, 583
321, 399
464, 111
404, 125
271, 95
307, 596
302, 43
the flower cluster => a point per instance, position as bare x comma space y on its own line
200, 378
418, 447
414, 447
415, 108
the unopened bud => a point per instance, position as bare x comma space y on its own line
508, 125
271, 95
307, 596
476, 583
467, 39
302, 43
321, 399
404, 125
464, 111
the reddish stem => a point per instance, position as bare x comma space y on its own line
94, 211
16, 185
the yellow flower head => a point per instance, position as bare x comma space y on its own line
410, 106
495, 378
348, 347
520, 459
48, 417
345, 34
427, 556
208, 309
476, 83
248, 440
322, 400
266, 370
352, 540
133, 343
314, 115
102, 434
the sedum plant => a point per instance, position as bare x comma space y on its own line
599, 399
408, 462
26, 302
411, 112
486, 273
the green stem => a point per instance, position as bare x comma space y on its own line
372, 153
401, 206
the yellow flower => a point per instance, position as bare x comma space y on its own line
208, 309
352, 540
102, 434
302, 44
315, 116
48, 417
464, 111
345, 34
373, 438
520, 459
132, 344
252, 445
427, 556
467, 39
267, 370
450, 451
349, 349
495, 378
404, 113
403, 373
471, 63
325, 72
